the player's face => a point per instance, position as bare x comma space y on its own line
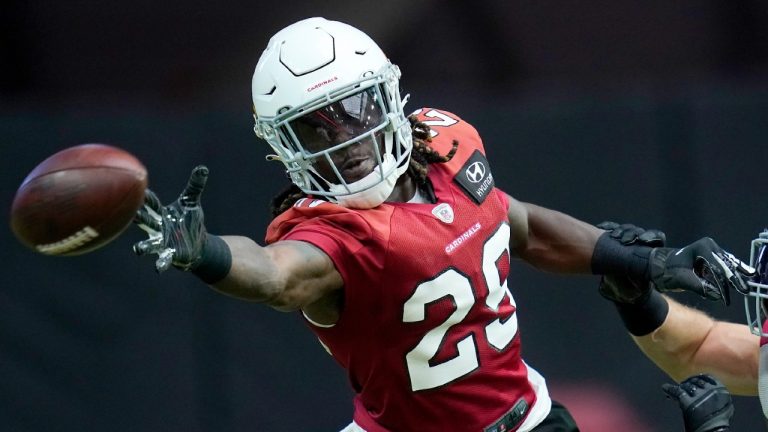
338, 123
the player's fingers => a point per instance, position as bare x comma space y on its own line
618, 230
745, 269
672, 391
697, 283
147, 246
152, 232
146, 221
653, 238
735, 271
152, 202
738, 283
702, 380
739, 265
720, 267
719, 275
607, 225
164, 260
629, 235
706, 279
197, 180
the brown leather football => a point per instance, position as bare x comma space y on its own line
78, 200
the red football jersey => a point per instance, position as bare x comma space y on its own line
428, 332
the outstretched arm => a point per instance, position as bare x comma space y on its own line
286, 275
551, 240
690, 342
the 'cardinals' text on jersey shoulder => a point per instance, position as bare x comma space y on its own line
428, 333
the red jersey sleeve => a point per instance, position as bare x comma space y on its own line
343, 234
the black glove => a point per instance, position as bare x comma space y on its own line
702, 267
622, 288
176, 231
706, 403
628, 234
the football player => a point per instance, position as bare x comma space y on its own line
394, 242
683, 341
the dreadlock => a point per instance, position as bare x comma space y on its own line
421, 156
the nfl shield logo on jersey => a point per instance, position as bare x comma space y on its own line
444, 212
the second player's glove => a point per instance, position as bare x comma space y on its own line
176, 231
634, 256
702, 267
705, 402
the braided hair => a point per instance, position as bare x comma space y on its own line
421, 156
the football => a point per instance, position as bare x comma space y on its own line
78, 200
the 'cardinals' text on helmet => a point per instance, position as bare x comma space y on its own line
327, 100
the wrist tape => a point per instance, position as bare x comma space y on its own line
215, 261
646, 315
612, 257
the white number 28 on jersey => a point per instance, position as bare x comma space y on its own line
451, 283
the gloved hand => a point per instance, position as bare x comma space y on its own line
628, 234
706, 403
176, 231
622, 288
702, 267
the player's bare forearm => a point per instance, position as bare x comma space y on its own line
690, 342
286, 275
551, 240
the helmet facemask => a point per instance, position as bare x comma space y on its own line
350, 145
756, 300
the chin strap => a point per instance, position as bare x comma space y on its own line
372, 196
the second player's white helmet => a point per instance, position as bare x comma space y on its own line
327, 100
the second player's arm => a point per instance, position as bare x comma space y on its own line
690, 342
286, 275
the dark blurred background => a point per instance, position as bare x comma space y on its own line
651, 112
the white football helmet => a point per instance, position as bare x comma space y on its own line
327, 100
756, 299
